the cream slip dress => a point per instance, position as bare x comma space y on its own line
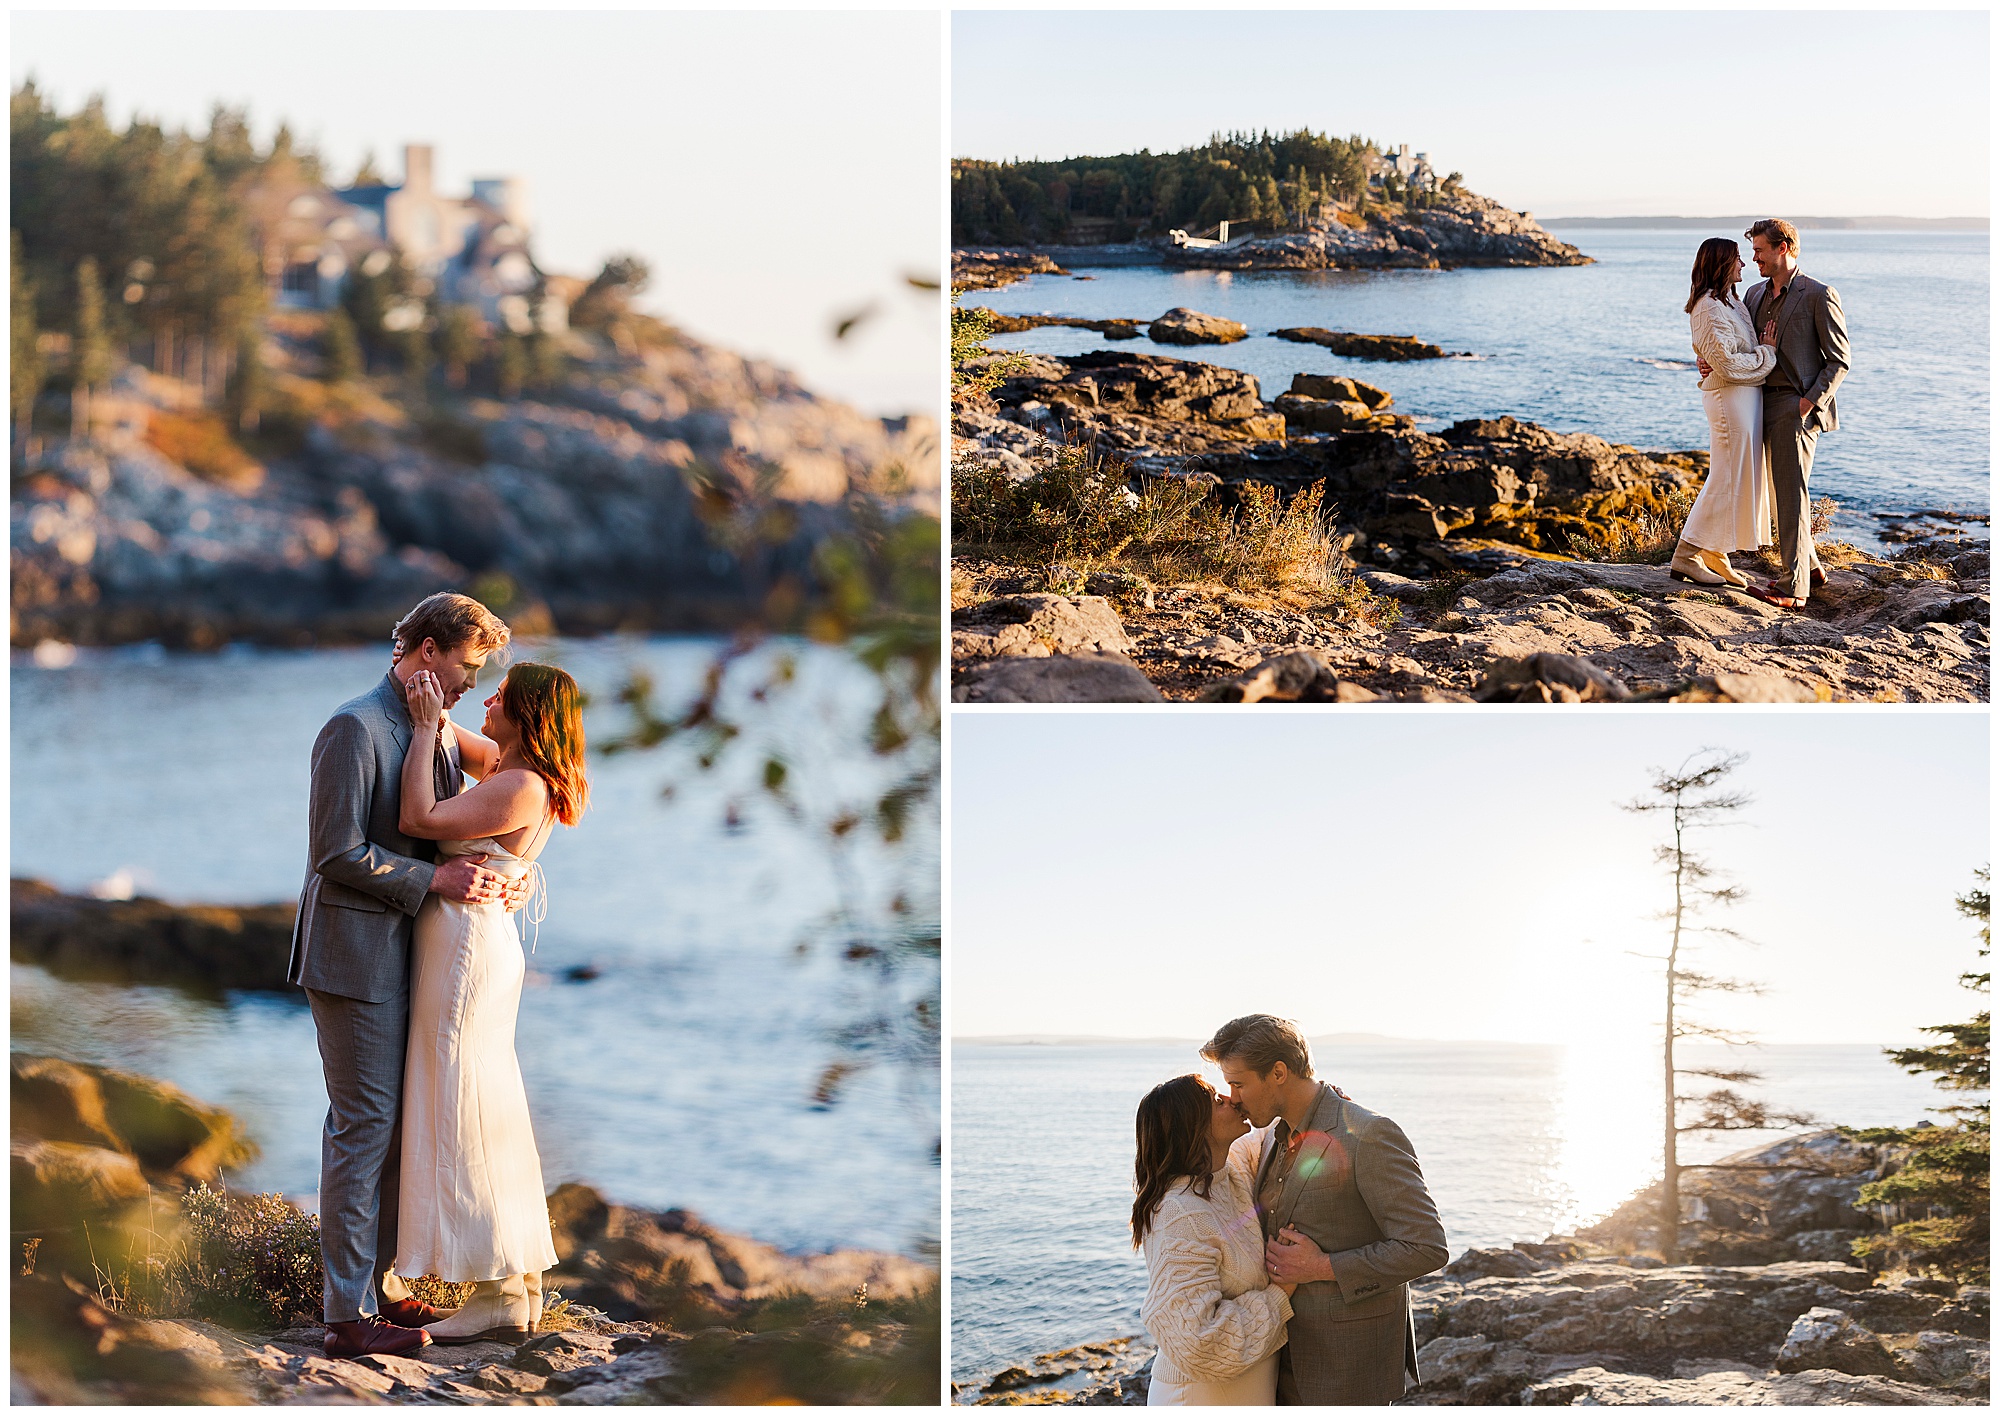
472, 1205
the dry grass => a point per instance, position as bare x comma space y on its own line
1078, 517
1648, 538
201, 442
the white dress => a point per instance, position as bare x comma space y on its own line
1209, 1304
472, 1205
1735, 509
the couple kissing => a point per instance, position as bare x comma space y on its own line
1281, 1226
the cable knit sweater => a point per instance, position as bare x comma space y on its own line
1724, 336
1209, 1304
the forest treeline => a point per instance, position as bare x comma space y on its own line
1269, 181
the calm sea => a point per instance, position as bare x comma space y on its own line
682, 1075
1604, 348
1516, 1141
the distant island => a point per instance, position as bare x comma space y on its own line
1804, 223
1059, 1040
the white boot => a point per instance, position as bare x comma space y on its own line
497, 1311
1687, 565
534, 1282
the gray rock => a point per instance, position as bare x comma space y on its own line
1341, 390
1594, 1386
1548, 678
1944, 1359
1063, 678
1492, 1263
1826, 1338
1301, 676
1037, 626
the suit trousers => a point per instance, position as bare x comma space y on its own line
361, 1048
1788, 446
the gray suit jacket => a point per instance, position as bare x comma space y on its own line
1812, 342
365, 880
1357, 1191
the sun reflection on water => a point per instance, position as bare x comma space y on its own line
1607, 1128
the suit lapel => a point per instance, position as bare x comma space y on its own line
396, 711
1311, 1159
1795, 296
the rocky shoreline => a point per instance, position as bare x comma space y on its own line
660, 1307
1500, 561
1592, 1320
665, 488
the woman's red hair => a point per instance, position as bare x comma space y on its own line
547, 706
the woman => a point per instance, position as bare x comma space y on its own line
1734, 510
472, 1208
1216, 1316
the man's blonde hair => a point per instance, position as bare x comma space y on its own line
1260, 1042
453, 620
1776, 230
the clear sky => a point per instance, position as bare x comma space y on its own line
1563, 113
1449, 875
779, 171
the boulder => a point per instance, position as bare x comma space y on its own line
1548, 678
1828, 1339
1299, 676
1341, 390
1942, 1359
1181, 325
1036, 626
169, 1136
1492, 1263
1594, 1386
1320, 415
1393, 348
1064, 678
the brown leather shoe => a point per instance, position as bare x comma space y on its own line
412, 1312
366, 1336
1818, 578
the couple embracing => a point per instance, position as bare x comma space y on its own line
1769, 363
407, 949
1281, 1225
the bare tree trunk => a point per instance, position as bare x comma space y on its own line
1670, 1179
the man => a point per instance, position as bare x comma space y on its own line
351, 952
1798, 395
1345, 1216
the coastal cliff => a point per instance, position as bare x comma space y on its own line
666, 486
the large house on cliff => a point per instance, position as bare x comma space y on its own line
474, 249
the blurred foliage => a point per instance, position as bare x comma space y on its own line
248, 1261
872, 590
820, 1352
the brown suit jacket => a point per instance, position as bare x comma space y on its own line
1357, 1191
1812, 342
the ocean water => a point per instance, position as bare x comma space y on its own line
682, 1075
1516, 1141
1604, 348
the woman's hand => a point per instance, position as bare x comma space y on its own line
426, 700
1770, 334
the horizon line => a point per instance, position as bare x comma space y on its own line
1335, 1039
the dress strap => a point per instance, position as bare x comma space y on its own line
538, 886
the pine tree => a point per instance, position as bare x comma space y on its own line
1693, 798
341, 348
26, 370
1948, 1175
90, 357
249, 382
458, 342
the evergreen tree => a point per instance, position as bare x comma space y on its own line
1693, 798
414, 346
26, 371
1948, 1175
90, 349
512, 364
249, 382
341, 348
458, 342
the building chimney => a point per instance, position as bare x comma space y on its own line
417, 167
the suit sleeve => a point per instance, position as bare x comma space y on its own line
1831, 325
1392, 1186
343, 773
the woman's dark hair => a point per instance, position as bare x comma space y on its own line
1711, 271
1173, 1144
